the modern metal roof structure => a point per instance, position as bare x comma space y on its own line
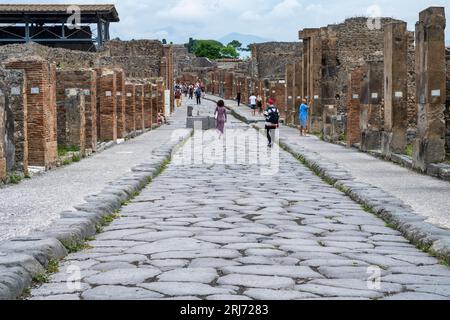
60, 25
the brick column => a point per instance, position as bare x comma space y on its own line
71, 120
371, 109
108, 105
395, 89
40, 89
289, 93
161, 99
228, 86
140, 107
130, 112
429, 146
120, 103
354, 112
148, 91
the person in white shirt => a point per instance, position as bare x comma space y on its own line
253, 99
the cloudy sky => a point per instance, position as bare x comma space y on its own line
177, 20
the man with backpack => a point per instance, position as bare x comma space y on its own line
198, 95
272, 121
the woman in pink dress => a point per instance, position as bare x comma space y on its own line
221, 116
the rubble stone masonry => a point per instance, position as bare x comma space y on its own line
71, 119
85, 79
13, 123
41, 104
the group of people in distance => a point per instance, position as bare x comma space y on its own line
189, 90
271, 114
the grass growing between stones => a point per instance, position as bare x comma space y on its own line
409, 150
73, 245
14, 178
63, 150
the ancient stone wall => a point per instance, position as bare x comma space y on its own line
120, 103
138, 58
270, 59
447, 113
71, 119
139, 106
148, 91
13, 122
41, 102
85, 79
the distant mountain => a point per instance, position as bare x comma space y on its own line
245, 39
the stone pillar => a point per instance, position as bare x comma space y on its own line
429, 147
148, 105
394, 137
447, 104
40, 88
120, 103
329, 113
354, 106
371, 108
130, 111
312, 62
71, 120
140, 107
108, 105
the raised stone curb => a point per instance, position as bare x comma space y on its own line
392, 210
23, 258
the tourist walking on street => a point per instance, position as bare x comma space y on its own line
252, 101
198, 95
191, 92
259, 104
221, 117
272, 121
238, 98
303, 117
178, 98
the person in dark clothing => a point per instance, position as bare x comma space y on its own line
238, 98
272, 121
198, 95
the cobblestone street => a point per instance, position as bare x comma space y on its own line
226, 231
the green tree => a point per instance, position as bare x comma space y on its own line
236, 44
208, 48
229, 52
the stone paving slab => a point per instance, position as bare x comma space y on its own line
24, 258
417, 205
192, 266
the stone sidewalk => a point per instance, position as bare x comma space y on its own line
36, 203
223, 231
418, 204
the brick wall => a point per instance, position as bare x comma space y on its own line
72, 119
130, 107
107, 107
120, 103
154, 109
161, 98
2, 137
289, 93
85, 79
41, 103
